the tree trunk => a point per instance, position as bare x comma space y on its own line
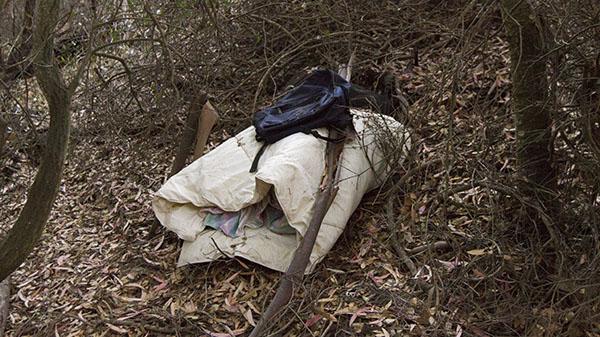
21, 238
186, 144
4, 304
530, 103
3, 134
193, 133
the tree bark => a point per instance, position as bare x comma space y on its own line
3, 134
22, 237
295, 272
186, 144
193, 133
530, 103
4, 304
531, 109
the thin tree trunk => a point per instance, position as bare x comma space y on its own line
22, 237
186, 144
4, 304
193, 133
3, 134
530, 103
529, 91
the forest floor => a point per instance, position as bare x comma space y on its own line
95, 272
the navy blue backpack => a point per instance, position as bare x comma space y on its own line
321, 100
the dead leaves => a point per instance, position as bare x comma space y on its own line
94, 273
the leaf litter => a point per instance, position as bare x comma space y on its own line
95, 272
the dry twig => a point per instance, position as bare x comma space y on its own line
4, 304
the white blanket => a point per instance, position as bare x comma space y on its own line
293, 167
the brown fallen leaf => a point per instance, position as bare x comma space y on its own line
313, 320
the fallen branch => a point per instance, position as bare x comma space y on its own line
396, 240
438, 245
295, 272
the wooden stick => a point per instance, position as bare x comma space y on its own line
206, 121
198, 125
189, 133
396, 244
323, 200
295, 272
430, 246
4, 304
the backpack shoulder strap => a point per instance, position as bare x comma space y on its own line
316, 134
260, 152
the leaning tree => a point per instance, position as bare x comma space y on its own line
21, 238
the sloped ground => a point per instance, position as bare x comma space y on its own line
96, 273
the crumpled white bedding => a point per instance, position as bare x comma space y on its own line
293, 168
